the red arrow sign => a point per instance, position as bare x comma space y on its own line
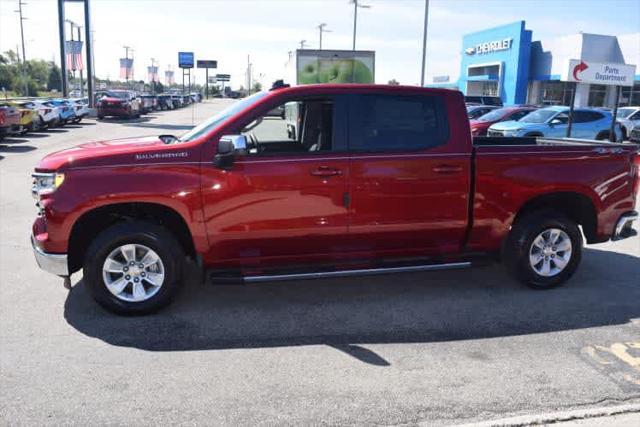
578, 69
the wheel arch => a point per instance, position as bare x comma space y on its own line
579, 207
94, 221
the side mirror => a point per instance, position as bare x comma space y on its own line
228, 147
556, 122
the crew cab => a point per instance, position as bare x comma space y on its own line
378, 179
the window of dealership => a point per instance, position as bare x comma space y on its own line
505, 61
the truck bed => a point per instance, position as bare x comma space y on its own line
479, 141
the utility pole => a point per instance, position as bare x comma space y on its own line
63, 56
24, 57
248, 75
322, 30
153, 77
356, 5
73, 68
81, 82
302, 43
424, 41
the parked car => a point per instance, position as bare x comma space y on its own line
165, 102
196, 97
186, 99
29, 118
476, 111
48, 115
9, 120
81, 107
634, 135
484, 100
177, 100
66, 110
480, 125
393, 183
119, 103
628, 117
553, 121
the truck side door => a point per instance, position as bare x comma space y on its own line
282, 202
410, 175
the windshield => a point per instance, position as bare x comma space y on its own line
223, 115
121, 95
493, 115
623, 113
539, 116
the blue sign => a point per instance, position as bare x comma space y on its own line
185, 59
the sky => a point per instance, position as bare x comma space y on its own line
230, 31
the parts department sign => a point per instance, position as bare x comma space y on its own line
580, 71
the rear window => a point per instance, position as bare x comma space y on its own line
397, 123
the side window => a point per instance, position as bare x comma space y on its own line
518, 115
563, 117
397, 123
635, 116
586, 116
295, 127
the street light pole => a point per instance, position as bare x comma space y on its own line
24, 58
424, 41
322, 30
356, 5
79, 28
302, 43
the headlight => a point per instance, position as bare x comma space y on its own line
45, 183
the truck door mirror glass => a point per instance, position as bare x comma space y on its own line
228, 147
556, 122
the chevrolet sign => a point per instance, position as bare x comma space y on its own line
489, 47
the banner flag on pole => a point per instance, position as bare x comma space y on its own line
126, 68
74, 54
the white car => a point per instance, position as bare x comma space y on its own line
49, 117
628, 117
82, 108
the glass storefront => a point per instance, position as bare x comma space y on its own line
630, 95
597, 95
556, 92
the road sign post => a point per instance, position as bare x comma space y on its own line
609, 74
206, 64
185, 61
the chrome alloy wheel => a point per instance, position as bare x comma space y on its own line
550, 252
133, 272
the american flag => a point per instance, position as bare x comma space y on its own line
168, 78
153, 73
126, 68
74, 55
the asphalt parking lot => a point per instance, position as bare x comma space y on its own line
436, 348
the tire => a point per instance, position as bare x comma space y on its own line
144, 236
519, 251
603, 136
100, 116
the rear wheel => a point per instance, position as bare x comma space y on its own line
543, 249
603, 136
133, 268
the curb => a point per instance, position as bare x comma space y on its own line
558, 417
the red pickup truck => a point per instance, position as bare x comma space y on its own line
374, 179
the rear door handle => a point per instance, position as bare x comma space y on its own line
447, 169
326, 171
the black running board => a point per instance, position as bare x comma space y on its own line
344, 273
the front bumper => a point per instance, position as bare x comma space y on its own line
52, 263
624, 226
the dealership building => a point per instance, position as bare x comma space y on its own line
505, 61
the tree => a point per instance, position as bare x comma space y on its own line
257, 87
54, 81
394, 82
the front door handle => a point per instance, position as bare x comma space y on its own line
447, 169
326, 171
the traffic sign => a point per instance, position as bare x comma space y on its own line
185, 59
223, 77
580, 71
207, 63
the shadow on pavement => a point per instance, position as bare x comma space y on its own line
344, 313
56, 130
141, 119
16, 148
32, 135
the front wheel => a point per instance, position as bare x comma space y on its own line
134, 268
543, 249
